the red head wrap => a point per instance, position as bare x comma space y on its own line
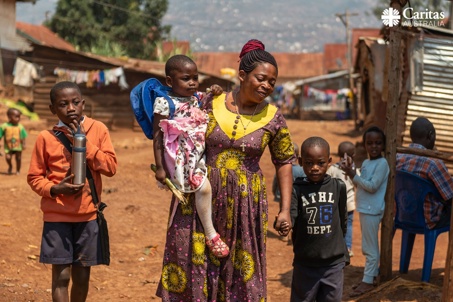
251, 45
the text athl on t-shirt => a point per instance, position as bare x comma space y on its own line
322, 202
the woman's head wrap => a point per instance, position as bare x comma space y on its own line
253, 54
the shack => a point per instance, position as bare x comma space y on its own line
426, 90
105, 82
325, 97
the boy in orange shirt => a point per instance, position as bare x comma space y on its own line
70, 239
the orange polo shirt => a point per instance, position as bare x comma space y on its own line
50, 162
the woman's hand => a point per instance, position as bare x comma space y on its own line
160, 175
282, 223
216, 89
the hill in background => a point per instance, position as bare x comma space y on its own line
225, 25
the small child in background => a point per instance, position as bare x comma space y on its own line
298, 171
319, 216
346, 149
371, 187
14, 135
179, 143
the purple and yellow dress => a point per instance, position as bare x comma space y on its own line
240, 212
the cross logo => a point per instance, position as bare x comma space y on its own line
390, 17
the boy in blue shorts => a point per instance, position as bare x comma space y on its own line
70, 239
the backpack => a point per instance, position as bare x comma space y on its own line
142, 101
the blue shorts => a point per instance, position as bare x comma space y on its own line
73, 243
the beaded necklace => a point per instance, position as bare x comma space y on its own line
239, 118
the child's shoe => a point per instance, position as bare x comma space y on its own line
218, 247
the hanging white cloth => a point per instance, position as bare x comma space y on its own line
24, 73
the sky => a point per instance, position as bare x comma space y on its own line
225, 25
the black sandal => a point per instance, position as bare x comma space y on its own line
363, 288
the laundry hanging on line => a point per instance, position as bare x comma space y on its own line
24, 73
93, 78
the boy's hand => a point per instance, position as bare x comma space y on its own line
346, 161
65, 187
74, 126
347, 165
282, 223
216, 89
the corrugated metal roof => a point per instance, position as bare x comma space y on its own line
358, 33
41, 35
333, 75
291, 66
435, 100
153, 67
182, 46
335, 57
337, 52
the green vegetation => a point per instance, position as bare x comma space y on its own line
21, 107
110, 27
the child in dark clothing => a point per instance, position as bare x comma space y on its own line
346, 148
319, 215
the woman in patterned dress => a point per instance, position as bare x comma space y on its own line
241, 125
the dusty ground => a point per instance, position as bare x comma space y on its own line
137, 214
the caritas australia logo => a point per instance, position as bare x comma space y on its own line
392, 17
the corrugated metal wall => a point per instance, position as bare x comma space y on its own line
435, 100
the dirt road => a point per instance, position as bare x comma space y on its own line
137, 214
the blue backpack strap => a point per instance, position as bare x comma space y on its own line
142, 99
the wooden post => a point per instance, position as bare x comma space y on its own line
353, 100
448, 157
394, 79
447, 291
2, 74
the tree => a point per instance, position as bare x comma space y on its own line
417, 5
128, 27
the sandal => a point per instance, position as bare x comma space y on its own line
375, 283
361, 289
218, 247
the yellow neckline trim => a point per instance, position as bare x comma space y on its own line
225, 118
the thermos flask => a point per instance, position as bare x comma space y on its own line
79, 163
